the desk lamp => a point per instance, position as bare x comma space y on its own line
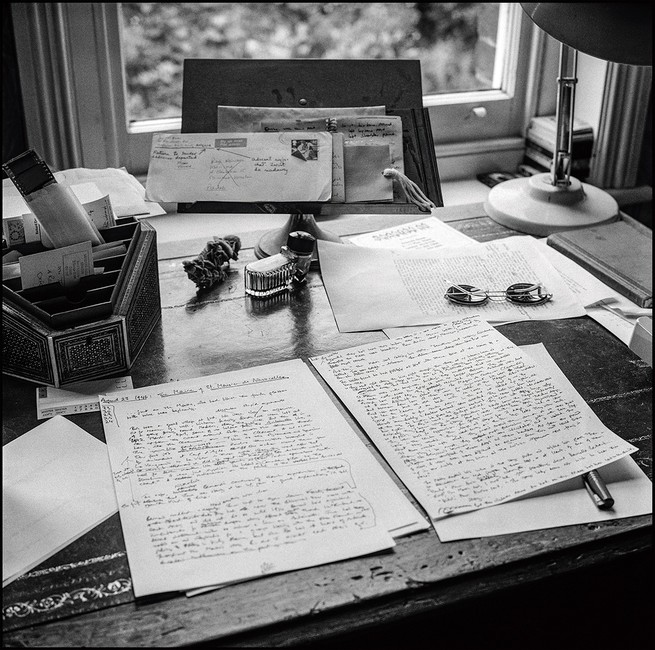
555, 201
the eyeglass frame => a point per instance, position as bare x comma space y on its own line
519, 293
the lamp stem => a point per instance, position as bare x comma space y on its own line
566, 82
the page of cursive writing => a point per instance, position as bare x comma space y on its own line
465, 418
236, 475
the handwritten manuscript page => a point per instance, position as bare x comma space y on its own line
562, 504
464, 417
237, 475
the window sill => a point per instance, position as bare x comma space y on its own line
465, 160
463, 191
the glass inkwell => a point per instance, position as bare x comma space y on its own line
277, 273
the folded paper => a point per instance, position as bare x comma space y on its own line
56, 486
378, 288
363, 171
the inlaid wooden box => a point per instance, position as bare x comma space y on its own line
54, 337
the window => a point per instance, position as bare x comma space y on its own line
455, 42
475, 59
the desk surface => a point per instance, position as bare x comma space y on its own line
224, 330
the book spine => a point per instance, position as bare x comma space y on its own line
548, 126
526, 169
536, 157
579, 151
579, 168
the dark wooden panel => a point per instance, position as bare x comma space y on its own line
255, 82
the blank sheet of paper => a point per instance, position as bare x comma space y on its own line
242, 474
465, 418
56, 486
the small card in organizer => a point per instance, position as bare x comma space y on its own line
65, 265
82, 397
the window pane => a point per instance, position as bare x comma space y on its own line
455, 41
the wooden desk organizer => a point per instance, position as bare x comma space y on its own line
54, 337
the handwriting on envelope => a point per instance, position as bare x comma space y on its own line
242, 167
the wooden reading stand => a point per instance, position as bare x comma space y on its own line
208, 83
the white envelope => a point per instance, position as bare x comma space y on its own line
242, 167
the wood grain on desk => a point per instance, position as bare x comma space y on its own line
222, 330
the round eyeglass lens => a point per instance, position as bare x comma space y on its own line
524, 292
466, 294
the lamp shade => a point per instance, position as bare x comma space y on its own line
621, 32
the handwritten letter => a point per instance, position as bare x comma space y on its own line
465, 418
232, 476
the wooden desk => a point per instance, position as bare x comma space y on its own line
224, 330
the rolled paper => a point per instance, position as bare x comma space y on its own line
62, 216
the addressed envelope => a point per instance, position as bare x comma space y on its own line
338, 171
242, 167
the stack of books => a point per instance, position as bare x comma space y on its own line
540, 146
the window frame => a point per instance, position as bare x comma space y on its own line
94, 98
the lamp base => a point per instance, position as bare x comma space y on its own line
535, 206
271, 242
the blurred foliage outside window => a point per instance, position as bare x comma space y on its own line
157, 37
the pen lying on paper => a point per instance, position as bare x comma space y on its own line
597, 490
